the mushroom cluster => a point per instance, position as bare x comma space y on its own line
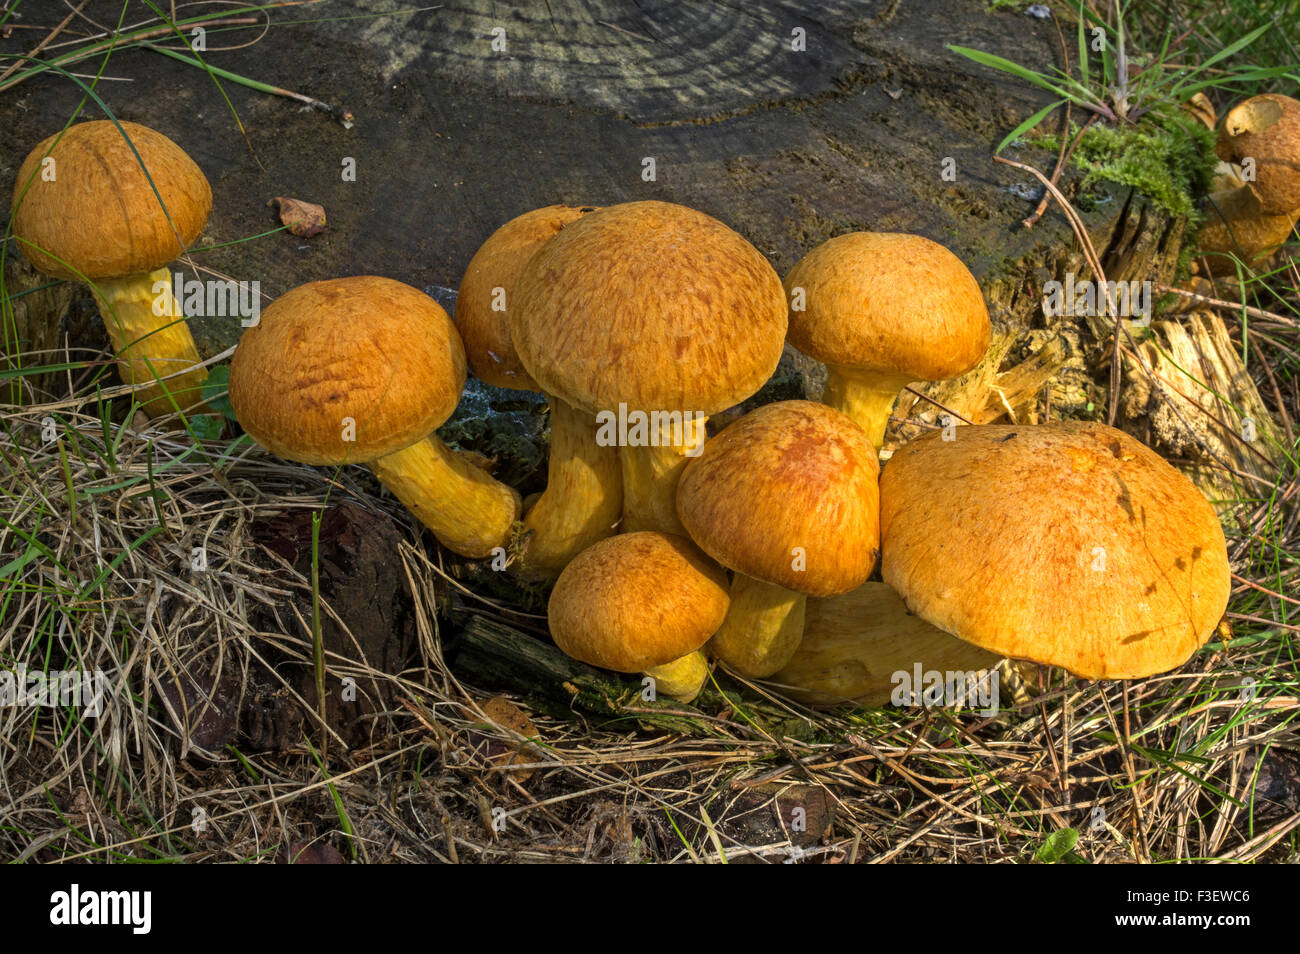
753, 548
1067, 544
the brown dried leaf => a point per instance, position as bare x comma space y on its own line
304, 219
507, 715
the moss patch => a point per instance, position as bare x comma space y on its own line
1167, 157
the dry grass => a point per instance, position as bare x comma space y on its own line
1183, 765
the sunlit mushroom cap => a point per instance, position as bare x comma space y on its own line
650, 304
1266, 129
94, 212
498, 263
1067, 544
347, 371
889, 302
636, 601
788, 495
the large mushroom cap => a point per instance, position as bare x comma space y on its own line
636, 601
498, 264
1067, 544
788, 495
98, 216
1267, 129
650, 304
889, 302
368, 349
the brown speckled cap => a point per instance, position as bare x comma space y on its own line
1267, 129
99, 213
1067, 544
371, 349
651, 304
794, 474
636, 601
498, 264
889, 302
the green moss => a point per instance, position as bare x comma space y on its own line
1168, 157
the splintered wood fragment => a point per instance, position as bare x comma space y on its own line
1202, 404
985, 395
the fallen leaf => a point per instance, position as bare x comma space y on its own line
304, 219
506, 714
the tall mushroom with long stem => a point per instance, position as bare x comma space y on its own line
111, 206
584, 486
882, 310
361, 371
651, 316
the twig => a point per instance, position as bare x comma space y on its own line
45, 42
1247, 310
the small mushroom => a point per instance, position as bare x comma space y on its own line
584, 485
87, 208
1067, 544
654, 311
641, 602
361, 371
882, 310
786, 497
1249, 220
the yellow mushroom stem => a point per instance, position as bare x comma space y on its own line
866, 396
468, 510
151, 340
653, 465
583, 497
762, 630
683, 678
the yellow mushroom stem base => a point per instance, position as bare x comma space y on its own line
865, 396
151, 339
650, 473
763, 628
683, 678
857, 645
583, 498
468, 510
